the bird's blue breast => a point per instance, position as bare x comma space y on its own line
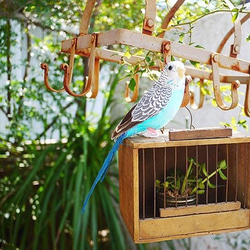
163, 117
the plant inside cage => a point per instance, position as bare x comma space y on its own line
183, 187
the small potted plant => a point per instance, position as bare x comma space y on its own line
182, 188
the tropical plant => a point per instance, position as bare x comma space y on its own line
184, 184
41, 202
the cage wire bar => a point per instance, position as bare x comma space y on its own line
156, 163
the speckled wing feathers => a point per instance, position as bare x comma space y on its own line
148, 106
152, 103
125, 124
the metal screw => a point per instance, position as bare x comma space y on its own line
236, 48
215, 58
150, 22
167, 46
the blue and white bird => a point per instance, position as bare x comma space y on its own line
154, 110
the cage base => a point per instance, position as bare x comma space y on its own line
154, 230
200, 209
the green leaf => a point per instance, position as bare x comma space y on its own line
204, 170
151, 64
235, 16
248, 38
127, 54
166, 183
222, 176
148, 59
223, 164
210, 184
195, 64
200, 192
157, 183
201, 185
132, 84
199, 46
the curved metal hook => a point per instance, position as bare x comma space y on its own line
135, 92
201, 100
93, 70
247, 100
216, 84
45, 67
186, 96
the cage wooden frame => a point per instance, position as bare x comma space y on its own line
187, 221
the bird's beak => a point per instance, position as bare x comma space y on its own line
181, 72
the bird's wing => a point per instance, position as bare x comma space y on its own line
124, 124
149, 105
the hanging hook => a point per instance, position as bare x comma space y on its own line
135, 92
93, 78
201, 100
186, 96
45, 67
216, 83
247, 100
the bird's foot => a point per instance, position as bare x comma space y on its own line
150, 132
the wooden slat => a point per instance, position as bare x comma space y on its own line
207, 133
175, 237
200, 209
163, 141
118, 57
130, 38
135, 39
129, 194
85, 20
149, 19
152, 230
204, 74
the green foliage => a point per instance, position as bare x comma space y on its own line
192, 181
41, 202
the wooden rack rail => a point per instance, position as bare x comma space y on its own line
95, 45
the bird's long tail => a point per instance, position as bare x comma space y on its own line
104, 168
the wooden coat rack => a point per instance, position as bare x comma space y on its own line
93, 46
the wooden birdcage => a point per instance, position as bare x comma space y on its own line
224, 208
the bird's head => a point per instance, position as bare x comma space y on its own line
173, 74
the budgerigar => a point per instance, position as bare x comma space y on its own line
154, 110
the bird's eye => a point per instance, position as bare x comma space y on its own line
170, 67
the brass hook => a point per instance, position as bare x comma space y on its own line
45, 67
216, 84
186, 96
93, 71
135, 92
201, 100
247, 100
